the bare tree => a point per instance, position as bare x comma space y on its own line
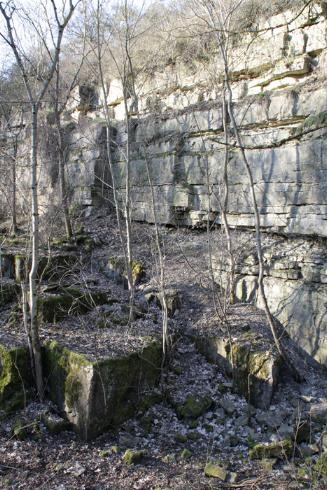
65, 81
35, 93
117, 36
218, 16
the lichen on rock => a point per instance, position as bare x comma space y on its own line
280, 450
194, 406
15, 377
99, 395
68, 301
117, 270
132, 456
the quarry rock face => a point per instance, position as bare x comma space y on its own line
279, 89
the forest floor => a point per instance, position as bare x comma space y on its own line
175, 450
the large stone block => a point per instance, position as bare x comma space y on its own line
15, 377
97, 396
255, 369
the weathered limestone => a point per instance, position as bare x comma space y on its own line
255, 369
8, 292
68, 301
280, 450
280, 103
296, 287
115, 268
173, 300
15, 377
51, 268
96, 396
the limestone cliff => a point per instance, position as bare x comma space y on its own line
278, 75
280, 100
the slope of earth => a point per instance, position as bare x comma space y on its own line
194, 422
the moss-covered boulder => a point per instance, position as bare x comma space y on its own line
279, 450
216, 470
256, 373
81, 239
194, 406
54, 423
172, 296
254, 368
98, 396
68, 301
8, 292
50, 267
116, 269
132, 456
15, 377
186, 454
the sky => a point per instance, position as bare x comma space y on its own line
25, 33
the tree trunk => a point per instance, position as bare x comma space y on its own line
14, 183
36, 346
130, 278
256, 212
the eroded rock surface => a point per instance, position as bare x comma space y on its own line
99, 395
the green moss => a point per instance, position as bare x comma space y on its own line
15, 378
149, 400
252, 370
8, 293
214, 470
321, 466
71, 301
123, 375
181, 438
63, 370
193, 436
268, 464
280, 450
101, 394
73, 389
104, 453
186, 454
20, 430
132, 456
117, 264
194, 407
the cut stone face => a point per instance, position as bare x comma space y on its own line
255, 371
68, 301
98, 396
15, 377
8, 292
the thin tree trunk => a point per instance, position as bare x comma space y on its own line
14, 189
36, 345
165, 338
24, 290
261, 288
131, 285
224, 207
